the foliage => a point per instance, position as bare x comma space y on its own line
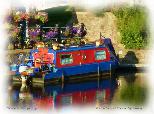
42, 16
58, 15
15, 17
34, 33
132, 26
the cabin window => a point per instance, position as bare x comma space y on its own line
66, 59
100, 55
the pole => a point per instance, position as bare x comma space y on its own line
98, 74
27, 11
62, 80
110, 70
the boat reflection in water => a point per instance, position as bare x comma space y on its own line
54, 96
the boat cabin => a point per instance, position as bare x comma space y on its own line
73, 56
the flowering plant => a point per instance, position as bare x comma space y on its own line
13, 31
51, 33
34, 33
42, 16
18, 16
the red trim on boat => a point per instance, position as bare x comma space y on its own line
81, 57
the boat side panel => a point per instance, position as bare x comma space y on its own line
82, 69
51, 75
82, 57
76, 55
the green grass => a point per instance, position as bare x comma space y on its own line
132, 24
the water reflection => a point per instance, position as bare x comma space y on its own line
86, 93
54, 96
134, 87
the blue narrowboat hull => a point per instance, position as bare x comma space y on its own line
82, 69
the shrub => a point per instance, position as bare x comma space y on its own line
132, 26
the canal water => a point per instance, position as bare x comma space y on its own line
126, 87
130, 89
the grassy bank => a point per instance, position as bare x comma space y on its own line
132, 24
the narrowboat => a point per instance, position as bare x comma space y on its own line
52, 63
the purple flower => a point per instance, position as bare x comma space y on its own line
51, 34
9, 18
34, 32
74, 30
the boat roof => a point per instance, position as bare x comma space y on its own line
76, 48
107, 44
